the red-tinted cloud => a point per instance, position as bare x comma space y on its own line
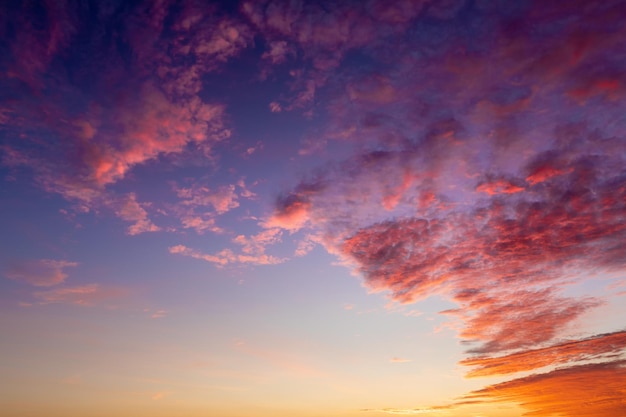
592, 348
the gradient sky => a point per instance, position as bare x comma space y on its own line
313, 208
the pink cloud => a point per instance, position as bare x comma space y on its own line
222, 199
200, 223
105, 133
40, 273
226, 257
192, 209
292, 215
128, 209
306, 245
275, 107
84, 295
278, 52
256, 244
244, 190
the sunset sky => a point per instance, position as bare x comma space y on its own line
307, 208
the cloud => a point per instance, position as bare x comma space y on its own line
498, 193
40, 272
84, 295
591, 348
275, 107
159, 395
226, 257
158, 314
580, 391
86, 132
256, 244
474, 208
222, 199
277, 53
306, 245
498, 186
405, 411
291, 213
128, 209
199, 206
395, 359
319, 37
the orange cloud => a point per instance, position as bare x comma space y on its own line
591, 390
406, 411
395, 359
596, 347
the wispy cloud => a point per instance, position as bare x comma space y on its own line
396, 359
39, 272
405, 411
129, 209
84, 295
226, 257
593, 348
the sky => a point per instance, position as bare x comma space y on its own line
313, 208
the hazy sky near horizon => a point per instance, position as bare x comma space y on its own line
306, 208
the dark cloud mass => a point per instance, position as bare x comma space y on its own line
499, 190
91, 91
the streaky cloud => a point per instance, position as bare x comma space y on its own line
596, 347
590, 390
